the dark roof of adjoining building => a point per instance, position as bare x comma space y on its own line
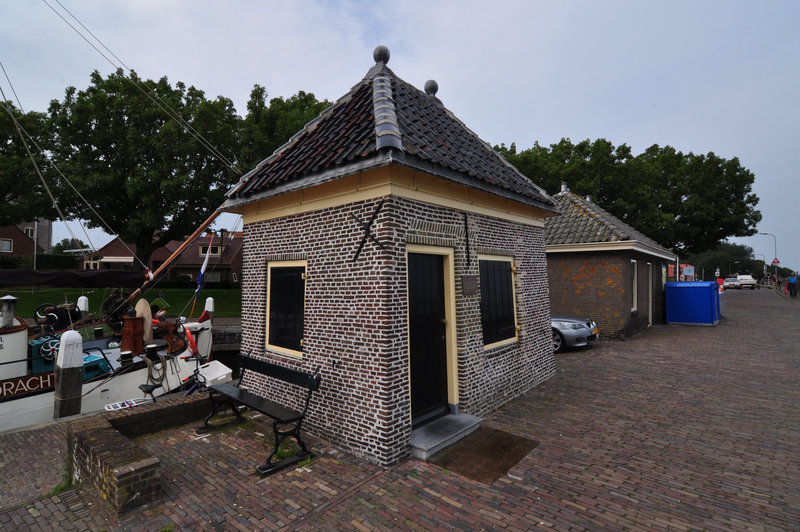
583, 222
384, 120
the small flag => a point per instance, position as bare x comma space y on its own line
203, 267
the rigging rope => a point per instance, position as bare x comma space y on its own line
24, 133
163, 105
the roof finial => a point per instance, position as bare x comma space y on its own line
431, 87
381, 54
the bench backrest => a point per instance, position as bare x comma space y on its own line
292, 376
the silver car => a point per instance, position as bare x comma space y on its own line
572, 331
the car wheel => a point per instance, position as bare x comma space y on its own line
558, 342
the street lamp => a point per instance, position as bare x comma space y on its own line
775, 242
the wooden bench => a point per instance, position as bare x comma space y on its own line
234, 396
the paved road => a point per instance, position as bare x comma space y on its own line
680, 428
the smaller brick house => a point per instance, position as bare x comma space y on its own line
116, 255
16, 242
390, 247
224, 265
604, 269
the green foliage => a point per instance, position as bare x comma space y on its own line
268, 126
23, 196
729, 258
68, 243
227, 303
66, 480
686, 202
144, 174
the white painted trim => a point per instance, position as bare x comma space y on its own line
283, 264
622, 245
448, 255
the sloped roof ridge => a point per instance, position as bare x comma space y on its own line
436, 101
310, 126
600, 217
383, 119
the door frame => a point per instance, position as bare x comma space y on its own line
448, 267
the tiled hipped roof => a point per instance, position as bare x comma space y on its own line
582, 222
413, 128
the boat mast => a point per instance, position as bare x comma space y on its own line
138, 292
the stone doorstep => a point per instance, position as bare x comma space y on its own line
440, 433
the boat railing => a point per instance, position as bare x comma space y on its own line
87, 350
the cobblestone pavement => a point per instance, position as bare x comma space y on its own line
680, 428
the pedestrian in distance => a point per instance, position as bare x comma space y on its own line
791, 284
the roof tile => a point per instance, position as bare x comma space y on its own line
409, 119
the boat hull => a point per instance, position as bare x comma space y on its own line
37, 406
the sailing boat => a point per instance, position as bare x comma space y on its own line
116, 368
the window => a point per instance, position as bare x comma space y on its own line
214, 251
7, 245
212, 277
498, 316
28, 232
233, 276
634, 286
286, 294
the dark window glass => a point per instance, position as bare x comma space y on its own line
497, 301
286, 306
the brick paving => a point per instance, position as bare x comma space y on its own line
680, 428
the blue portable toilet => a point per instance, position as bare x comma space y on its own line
695, 303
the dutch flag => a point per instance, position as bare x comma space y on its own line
203, 267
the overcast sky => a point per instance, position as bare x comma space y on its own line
697, 75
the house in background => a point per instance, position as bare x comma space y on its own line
15, 242
116, 255
601, 268
389, 246
40, 231
224, 264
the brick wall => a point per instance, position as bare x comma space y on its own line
598, 285
356, 315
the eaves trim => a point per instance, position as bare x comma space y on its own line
421, 165
376, 161
622, 245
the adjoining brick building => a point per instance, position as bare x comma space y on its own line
602, 268
389, 246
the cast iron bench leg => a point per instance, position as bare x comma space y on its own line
215, 404
271, 467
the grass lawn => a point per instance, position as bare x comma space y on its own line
227, 302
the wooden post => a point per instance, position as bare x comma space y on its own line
68, 375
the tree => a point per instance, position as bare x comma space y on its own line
686, 202
729, 258
68, 244
21, 191
144, 174
268, 126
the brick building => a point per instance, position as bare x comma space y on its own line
16, 241
600, 267
389, 246
224, 265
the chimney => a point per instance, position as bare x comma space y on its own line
564, 187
